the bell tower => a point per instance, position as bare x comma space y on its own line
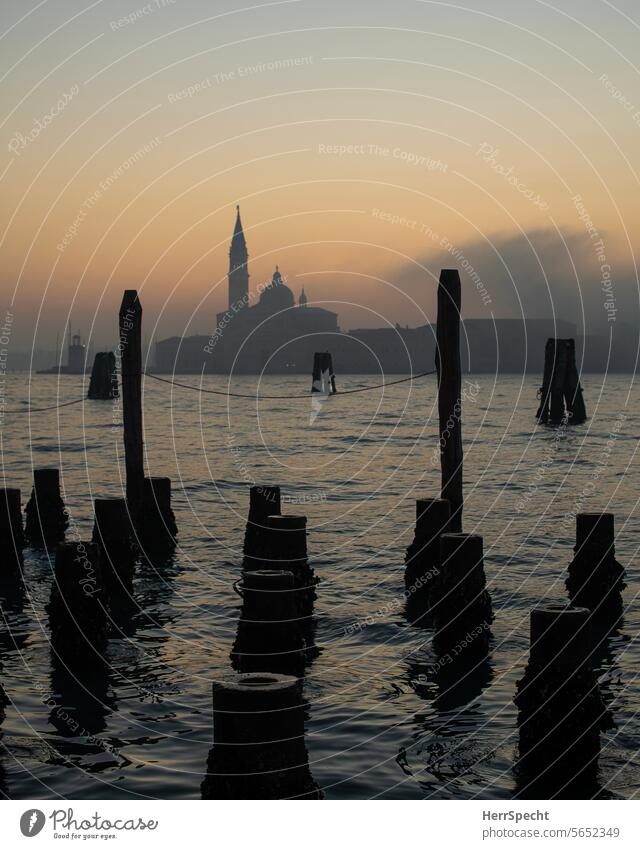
238, 266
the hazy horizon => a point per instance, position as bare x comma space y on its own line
366, 146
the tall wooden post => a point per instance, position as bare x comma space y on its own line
131, 353
450, 392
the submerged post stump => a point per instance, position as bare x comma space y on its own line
11, 532
46, 517
595, 578
113, 534
264, 501
77, 611
258, 741
323, 378
103, 385
461, 605
269, 637
287, 549
156, 525
561, 394
560, 709
423, 555
449, 372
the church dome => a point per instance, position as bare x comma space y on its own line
277, 295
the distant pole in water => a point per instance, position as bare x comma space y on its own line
450, 392
323, 378
561, 385
103, 385
131, 348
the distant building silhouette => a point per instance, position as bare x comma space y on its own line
268, 332
76, 359
273, 334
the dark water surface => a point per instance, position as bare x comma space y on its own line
382, 723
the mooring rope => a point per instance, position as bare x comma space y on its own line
46, 409
307, 395
255, 397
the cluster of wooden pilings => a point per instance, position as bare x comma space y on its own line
561, 396
258, 715
93, 578
561, 713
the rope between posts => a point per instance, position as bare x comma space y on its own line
255, 397
46, 409
307, 395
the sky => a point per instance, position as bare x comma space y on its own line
368, 145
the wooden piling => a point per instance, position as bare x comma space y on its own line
449, 372
131, 351
560, 709
263, 502
77, 612
423, 555
323, 378
103, 385
574, 398
114, 536
561, 396
287, 550
46, 517
11, 531
460, 604
258, 741
156, 524
269, 637
595, 578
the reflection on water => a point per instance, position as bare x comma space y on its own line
384, 719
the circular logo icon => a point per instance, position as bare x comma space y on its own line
32, 822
